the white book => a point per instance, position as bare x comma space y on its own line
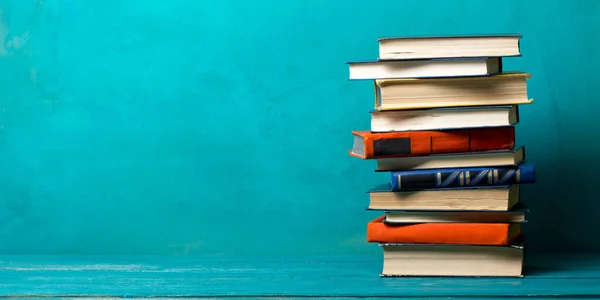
444, 118
394, 69
459, 216
454, 160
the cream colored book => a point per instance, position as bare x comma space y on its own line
497, 198
453, 260
444, 118
423, 47
453, 160
509, 88
455, 216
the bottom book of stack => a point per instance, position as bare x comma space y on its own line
452, 260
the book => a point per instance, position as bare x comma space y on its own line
462, 177
444, 118
491, 234
517, 214
491, 158
451, 67
422, 47
452, 260
370, 145
494, 198
418, 93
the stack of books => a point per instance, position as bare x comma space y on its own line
443, 127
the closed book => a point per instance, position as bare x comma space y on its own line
423, 47
496, 234
490, 158
517, 214
462, 177
444, 118
508, 88
453, 260
370, 145
424, 68
489, 198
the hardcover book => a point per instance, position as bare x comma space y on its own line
490, 198
509, 88
453, 260
491, 158
448, 67
422, 47
516, 214
462, 177
444, 118
370, 145
492, 234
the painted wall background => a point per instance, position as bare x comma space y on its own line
187, 126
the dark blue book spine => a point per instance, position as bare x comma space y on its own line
462, 177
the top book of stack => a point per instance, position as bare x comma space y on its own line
437, 56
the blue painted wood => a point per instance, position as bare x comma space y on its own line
289, 276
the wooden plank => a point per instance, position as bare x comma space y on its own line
276, 276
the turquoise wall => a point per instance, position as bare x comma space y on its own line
192, 126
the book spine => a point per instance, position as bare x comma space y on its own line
468, 177
394, 144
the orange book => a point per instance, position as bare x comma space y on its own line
371, 145
442, 233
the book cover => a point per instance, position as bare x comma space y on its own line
424, 68
372, 145
450, 36
442, 233
462, 177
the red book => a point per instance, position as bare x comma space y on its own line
443, 233
370, 145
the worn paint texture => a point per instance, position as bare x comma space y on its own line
190, 127
354, 276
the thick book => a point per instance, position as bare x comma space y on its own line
462, 177
491, 158
508, 88
491, 234
444, 118
453, 260
431, 68
422, 47
517, 214
489, 198
371, 145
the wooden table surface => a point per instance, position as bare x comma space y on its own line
329, 276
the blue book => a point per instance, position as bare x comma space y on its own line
462, 177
